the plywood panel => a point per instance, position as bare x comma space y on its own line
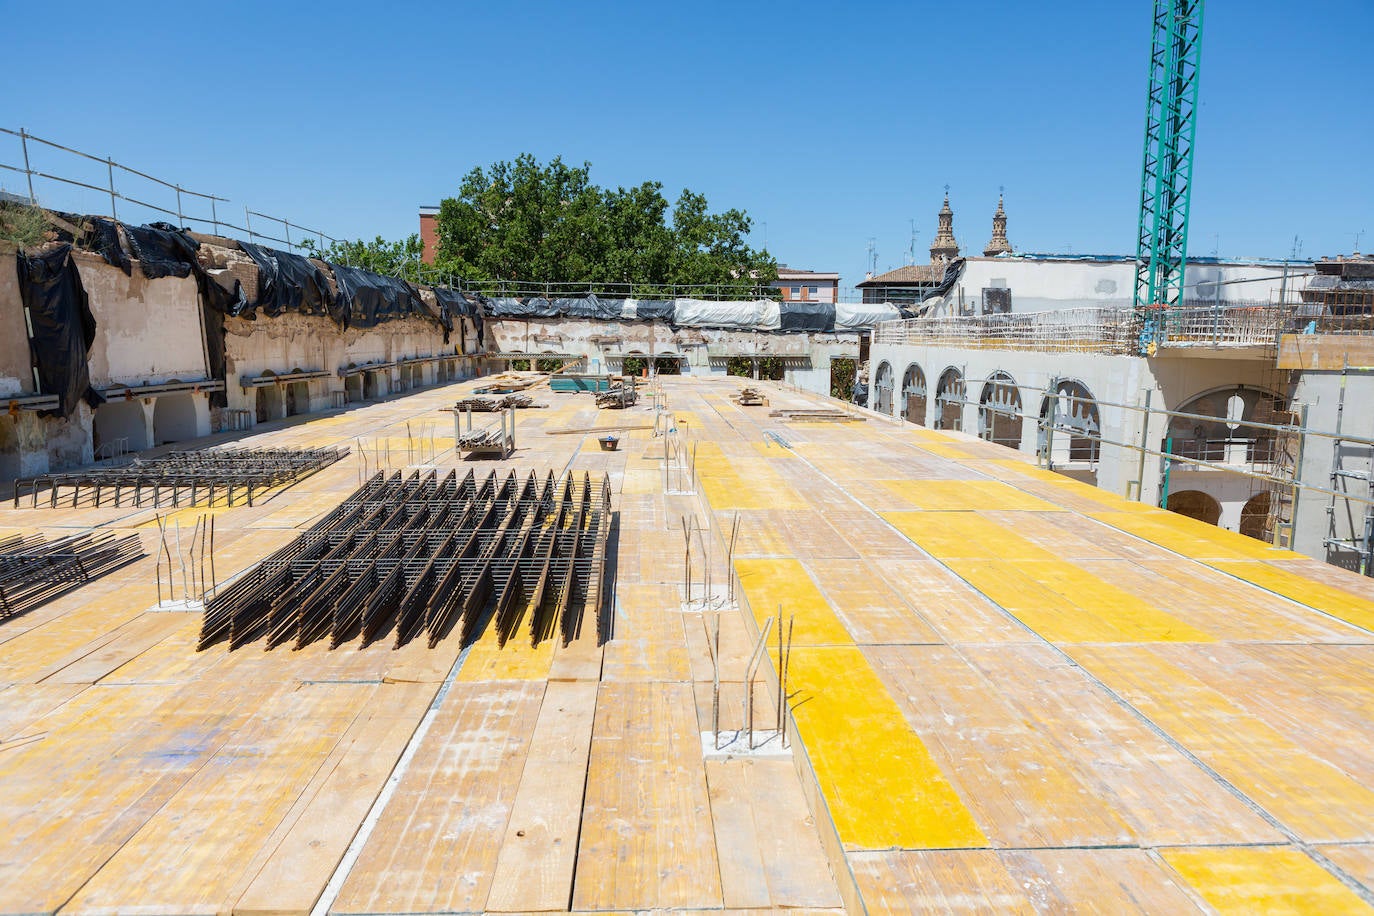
1262, 880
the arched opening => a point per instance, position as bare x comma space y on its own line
667, 365
1226, 439
119, 427
369, 385
949, 400
1254, 517
269, 403
297, 398
999, 411
174, 418
882, 388
914, 395
353, 387
1070, 418
1195, 504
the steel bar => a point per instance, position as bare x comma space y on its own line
34, 570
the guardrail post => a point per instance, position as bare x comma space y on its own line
28, 172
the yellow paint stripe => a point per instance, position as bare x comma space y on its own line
1195, 539
1334, 601
1067, 604
1262, 880
882, 785
966, 494
769, 583
965, 535
518, 661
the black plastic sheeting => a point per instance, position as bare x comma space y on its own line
63, 326
455, 306
589, 307
510, 307
655, 310
289, 283
104, 240
366, 299
162, 250
808, 316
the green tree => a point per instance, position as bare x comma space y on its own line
395, 259
550, 223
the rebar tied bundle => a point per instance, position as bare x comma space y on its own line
193, 478
34, 570
428, 554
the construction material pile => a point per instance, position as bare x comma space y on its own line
425, 554
823, 415
194, 478
750, 397
34, 570
618, 396
489, 405
490, 437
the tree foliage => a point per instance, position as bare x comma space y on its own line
395, 259
549, 223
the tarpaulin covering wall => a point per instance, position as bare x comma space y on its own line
588, 307
162, 250
853, 315
510, 307
656, 310
366, 299
288, 283
808, 316
453, 307
63, 326
758, 315
104, 239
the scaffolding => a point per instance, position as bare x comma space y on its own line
1352, 463
426, 554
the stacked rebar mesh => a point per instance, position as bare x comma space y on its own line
430, 554
195, 478
490, 405
34, 570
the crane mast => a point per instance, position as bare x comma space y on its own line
1167, 180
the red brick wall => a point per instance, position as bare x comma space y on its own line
429, 234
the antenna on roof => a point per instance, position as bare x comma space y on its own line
911, 253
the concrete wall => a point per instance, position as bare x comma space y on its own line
15, 374
1045, 285
147, 331
1174, 380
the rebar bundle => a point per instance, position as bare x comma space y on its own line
194, 478
490, 405
34, 570
428, 554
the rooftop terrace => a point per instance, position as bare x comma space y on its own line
1011, 691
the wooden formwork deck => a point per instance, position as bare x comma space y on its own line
1011, 692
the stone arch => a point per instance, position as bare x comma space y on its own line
1226, 439
882, 388
914, 395
174, 418
950, 393
999, 410
1070, 409
1254, 517
1195, 504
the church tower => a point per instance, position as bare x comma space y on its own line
944, 249
999, 243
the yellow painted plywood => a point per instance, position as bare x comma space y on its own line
965, 535
1337, 602
1263, 880
880, 782
966, 494
773, 583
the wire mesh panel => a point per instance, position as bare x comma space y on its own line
426, 555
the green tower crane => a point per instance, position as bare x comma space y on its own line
1167, 181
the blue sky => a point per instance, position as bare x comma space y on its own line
832, 123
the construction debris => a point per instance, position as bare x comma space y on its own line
424, 554
185, 478
34, 570
750, 397
488, 405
